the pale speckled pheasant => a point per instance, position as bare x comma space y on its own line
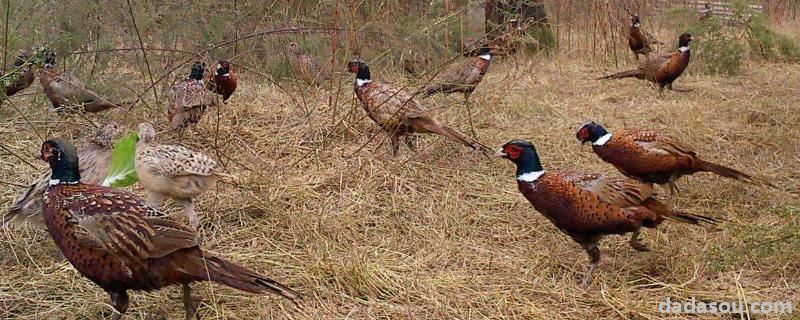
588, 206
67, 93
189, 99
414, 63
397, 113
94, 159
119, 242
306, 67
173, 171
26, 74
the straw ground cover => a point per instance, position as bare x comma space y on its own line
443, 233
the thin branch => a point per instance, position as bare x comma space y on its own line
5, 33
17, 156
14, 105
144, 53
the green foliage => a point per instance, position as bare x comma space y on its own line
722, 45
122, 170
768, 44
717, 47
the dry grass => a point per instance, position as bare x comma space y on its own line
444, 234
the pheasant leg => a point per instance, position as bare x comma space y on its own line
188, 208
594, 260
469, 114
636, 242
188, 304
120, 302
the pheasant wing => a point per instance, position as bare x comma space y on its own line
618, 191
124, 225
72, 89
392, 105
189, 93
657, 143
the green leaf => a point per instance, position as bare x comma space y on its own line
122, 170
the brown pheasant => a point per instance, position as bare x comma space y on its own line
661, 70
26, 73
189, 100
651, 156
414, 62
397, 113
68, 94
306, 67
639, 41
463, 77
94, 159
224, 81
588, 206
121, 243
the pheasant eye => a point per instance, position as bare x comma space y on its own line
512, 152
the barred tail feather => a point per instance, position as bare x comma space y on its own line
431, 89
235, 276
623, 74
429, 125
724, 171
690, 218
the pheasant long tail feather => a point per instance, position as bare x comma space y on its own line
728, 172
235, 276
690, 218
431, 89
663, 210
450, 133
623, 74
98, 106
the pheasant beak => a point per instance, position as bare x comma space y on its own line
500, 153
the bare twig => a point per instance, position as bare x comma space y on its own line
17, 156
144, 53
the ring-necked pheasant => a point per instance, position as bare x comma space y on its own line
661, 70
94, 159
189, 99
304, 66
588, 206
651, 156
119, 242
224, 80
26, 73
397, 113
639, 41
67, 93
462, 76
173, 171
